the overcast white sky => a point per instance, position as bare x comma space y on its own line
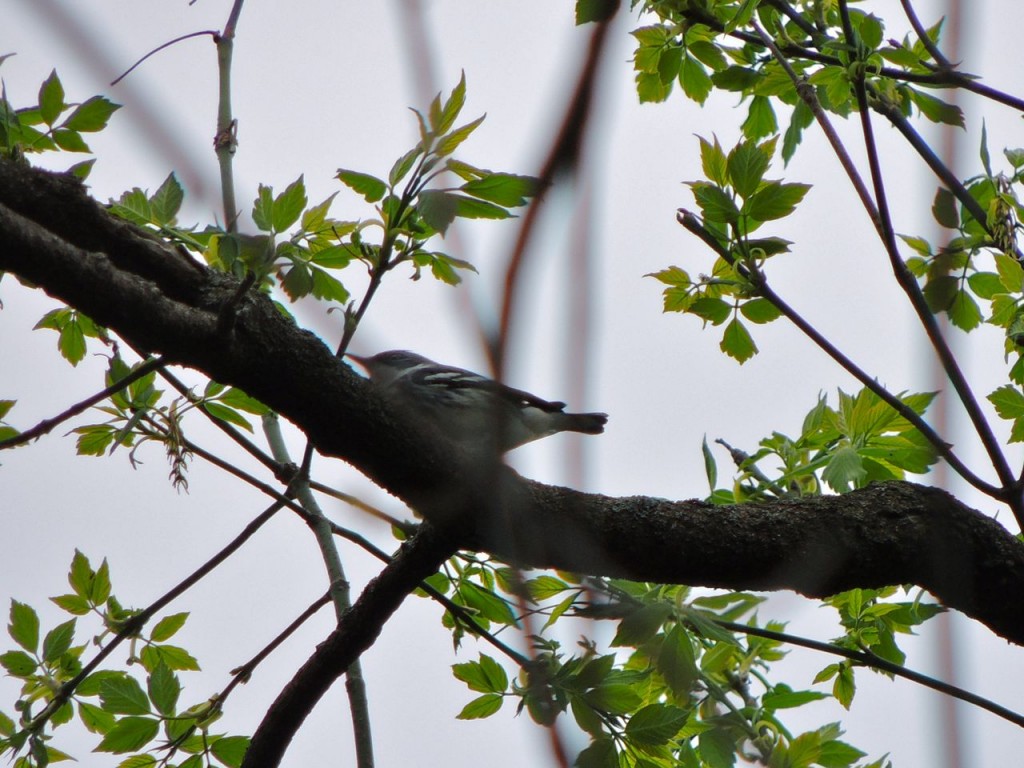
319, 85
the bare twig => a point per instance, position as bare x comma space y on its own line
46, 425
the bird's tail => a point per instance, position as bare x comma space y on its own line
587, 423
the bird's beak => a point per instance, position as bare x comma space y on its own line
358, 358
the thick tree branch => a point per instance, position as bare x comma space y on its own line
146, 292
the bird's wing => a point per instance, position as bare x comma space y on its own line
457, 378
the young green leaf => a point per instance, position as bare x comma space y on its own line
288, 206
370, 187
166, 201
24, 626
737, 342
482, 706
448, 144
51, 99
91, 116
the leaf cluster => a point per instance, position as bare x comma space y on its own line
52, 124
126, 712
674, 688
735, 200
708, 46
860, 441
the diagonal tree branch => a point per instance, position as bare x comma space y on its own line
894, 533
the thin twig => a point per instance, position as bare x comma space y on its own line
910, 286
123, 75
876, 662
690, 222
47, 425
133, 625
355, 684
922, 35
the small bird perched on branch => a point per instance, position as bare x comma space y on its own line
470, 409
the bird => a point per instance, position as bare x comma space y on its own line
470, 409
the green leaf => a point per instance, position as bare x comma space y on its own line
937, 110
370, 187
713, 161
236, 398
91, 116
164, 689
482, 706
715, 203
263, 208
130, 734
844, 686
58, 641
761, 120
715, 311
123, 696
710, 466
444, 118
487, 603
171, 655
775, 200
288, 206
51, 99
472, 674
760, 311
133, 206
694, 79
99, 589
166, 201
95, 719
736, 78
986, 160
18, 663
986, 284
1008, 402
676, 662
737, 342
964, 312
81, 575
838, 754
650, 88
600, 754
230, 415
81, 170
73, 604
230, 750
448, 144
1010, 273
24, 626
844, 468
544, 587
669, 59
784, 698
403, 165
746, 167
503, 188
641, 625
148, 761
940, 292
655, 724
613, 698
69, 141
944, 209
437, 209
802, 117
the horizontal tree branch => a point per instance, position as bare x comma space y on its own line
894, 533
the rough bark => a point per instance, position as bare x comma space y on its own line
53, 235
